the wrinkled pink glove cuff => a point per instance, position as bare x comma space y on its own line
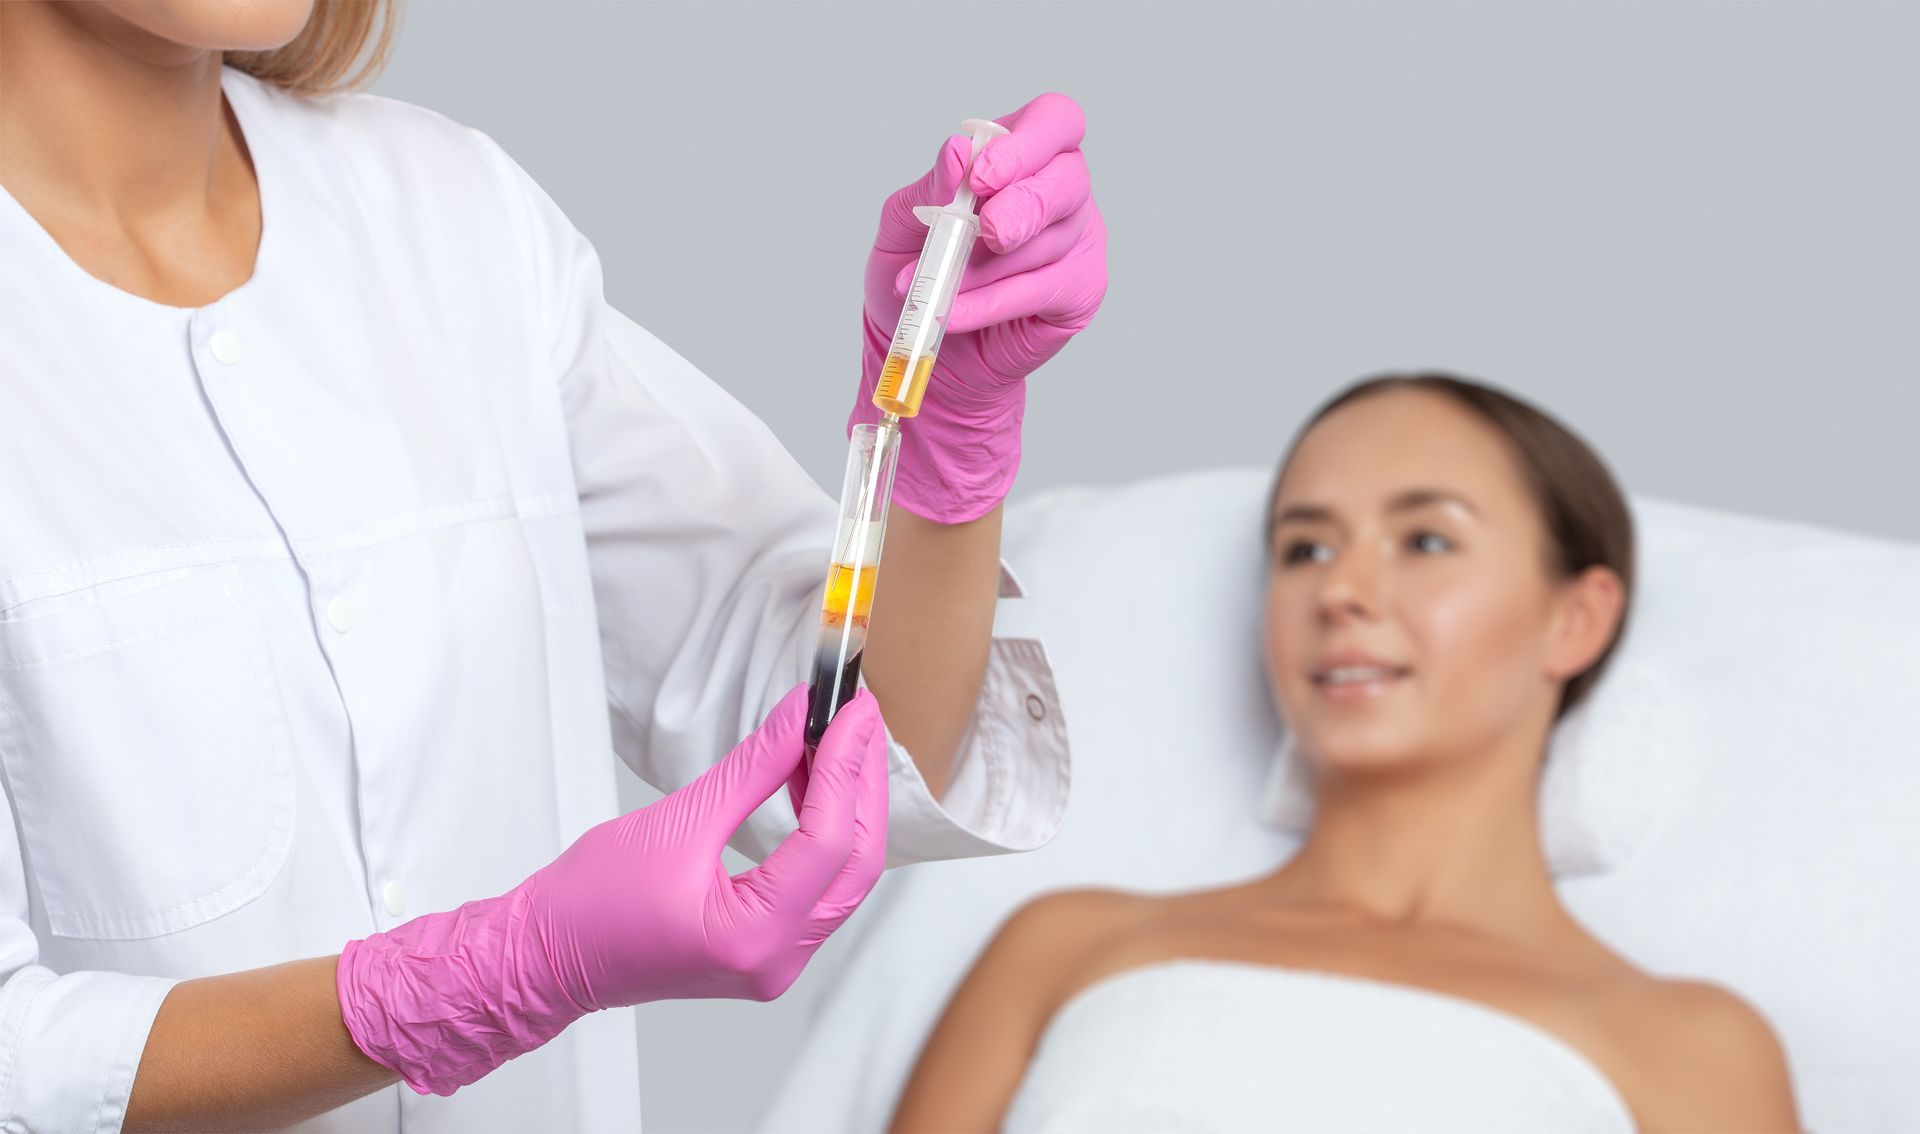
958, 458
417, 1003
446, 998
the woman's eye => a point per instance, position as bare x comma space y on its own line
1304, 551
1431, 543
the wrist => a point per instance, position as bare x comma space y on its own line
445, 998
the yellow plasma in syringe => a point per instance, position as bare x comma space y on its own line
887, 393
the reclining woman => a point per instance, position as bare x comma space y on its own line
1450, 570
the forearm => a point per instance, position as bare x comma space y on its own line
932, 622
955, 1090
253, 1050
977, 1053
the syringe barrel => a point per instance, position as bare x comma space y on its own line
853, 574
923, 317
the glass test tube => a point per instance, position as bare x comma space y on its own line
851, 577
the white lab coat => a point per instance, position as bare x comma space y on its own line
314, 602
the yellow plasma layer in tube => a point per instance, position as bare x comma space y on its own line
887, 393
844, 593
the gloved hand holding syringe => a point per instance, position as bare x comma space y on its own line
873, 449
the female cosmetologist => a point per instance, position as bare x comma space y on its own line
340, 511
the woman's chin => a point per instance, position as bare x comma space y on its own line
219, 25
1366, 754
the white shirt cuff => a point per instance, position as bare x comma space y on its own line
71, 1045
1008, 791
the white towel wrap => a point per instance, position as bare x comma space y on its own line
1230, 1046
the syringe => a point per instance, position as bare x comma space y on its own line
867, 489
951, 230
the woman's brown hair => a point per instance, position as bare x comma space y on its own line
1582, 508
343, 46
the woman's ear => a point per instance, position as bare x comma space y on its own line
1586, 613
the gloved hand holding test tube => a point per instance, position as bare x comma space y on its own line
873, 449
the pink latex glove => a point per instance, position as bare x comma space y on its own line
639, 908
1038, 273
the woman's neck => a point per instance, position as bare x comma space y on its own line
1454, 842
119, 144
121, 123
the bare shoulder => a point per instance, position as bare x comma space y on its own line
976, 1054
1055, 936
1698, 1057
1086, 910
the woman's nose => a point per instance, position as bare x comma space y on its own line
1351, 586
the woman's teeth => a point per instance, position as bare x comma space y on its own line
1348, 675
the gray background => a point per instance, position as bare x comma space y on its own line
1689, 229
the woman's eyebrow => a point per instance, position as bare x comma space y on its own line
1303, 514
1426, 497
1408, 501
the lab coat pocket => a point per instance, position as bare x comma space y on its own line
147, 753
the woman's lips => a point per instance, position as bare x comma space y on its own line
1349, 683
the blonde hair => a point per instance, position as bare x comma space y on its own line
322, 58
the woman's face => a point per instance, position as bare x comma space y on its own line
201, 25
1410, 611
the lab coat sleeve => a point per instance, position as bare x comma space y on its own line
69, 1042
708, 549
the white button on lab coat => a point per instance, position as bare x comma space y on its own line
329, 603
